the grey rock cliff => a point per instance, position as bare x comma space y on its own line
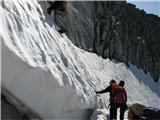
115, 30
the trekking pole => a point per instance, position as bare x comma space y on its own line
99, 101
97, 98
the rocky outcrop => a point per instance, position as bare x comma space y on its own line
129, 35
115, 30
77, 22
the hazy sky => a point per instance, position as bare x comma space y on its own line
148, 6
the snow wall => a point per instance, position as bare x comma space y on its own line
46, 76
36, 62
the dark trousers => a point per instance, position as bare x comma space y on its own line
123, 107
112, 111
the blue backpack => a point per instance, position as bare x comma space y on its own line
152, 113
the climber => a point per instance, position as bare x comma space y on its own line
57, 5
139, 111
120, 98
110, 89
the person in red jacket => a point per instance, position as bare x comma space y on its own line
120, 98
110, 89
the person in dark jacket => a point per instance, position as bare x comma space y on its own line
57, 5
120, 98
109, 89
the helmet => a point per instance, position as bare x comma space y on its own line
137, 109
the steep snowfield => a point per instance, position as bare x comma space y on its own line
46, 76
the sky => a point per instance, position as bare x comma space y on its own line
148, 6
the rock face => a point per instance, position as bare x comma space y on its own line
127, 34
78, 22
115, 30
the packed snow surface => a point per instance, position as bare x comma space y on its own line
44, 71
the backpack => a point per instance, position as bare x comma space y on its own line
119, 95
150, 112
114, 86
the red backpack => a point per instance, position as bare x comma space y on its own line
119, 95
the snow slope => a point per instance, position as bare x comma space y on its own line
46, 76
